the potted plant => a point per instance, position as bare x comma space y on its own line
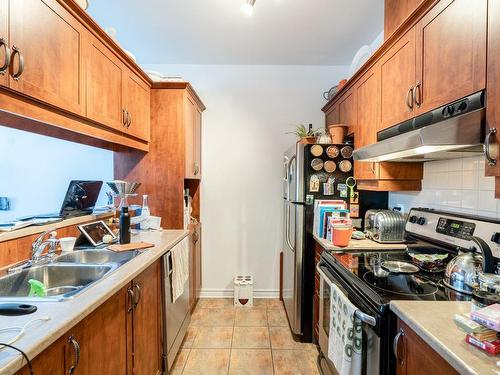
305, 135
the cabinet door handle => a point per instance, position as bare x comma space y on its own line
131, 298
196, 168
129, 119
76, 350
395, 345
137, 288
487, 146
409, 98
372, 167
5, 66
416, 90
124, 117
20, 69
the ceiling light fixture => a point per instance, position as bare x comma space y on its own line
247, 8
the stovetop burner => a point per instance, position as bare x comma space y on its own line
403, 284
422, 285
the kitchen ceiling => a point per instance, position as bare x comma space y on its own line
280, 32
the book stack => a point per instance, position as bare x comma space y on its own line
481, 328
326, 213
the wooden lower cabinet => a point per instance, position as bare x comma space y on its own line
122, 336
415, 357
50, 361
194, 265
146, 332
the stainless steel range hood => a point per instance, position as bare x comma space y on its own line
452, 131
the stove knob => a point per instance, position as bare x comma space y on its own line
413, 219
421, 221
495, 238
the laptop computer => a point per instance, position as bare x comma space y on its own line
80, 200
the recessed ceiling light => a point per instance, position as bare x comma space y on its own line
247, 8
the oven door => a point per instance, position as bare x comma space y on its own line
371, 341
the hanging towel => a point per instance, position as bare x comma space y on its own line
345, 339
180, 268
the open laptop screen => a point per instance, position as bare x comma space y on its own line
80, 198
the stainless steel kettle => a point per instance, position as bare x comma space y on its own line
462, 272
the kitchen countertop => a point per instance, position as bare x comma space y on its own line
66, 314
359, 245
433, 322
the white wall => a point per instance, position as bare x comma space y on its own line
457, 185
35, 170
249, 109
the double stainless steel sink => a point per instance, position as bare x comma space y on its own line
65, 276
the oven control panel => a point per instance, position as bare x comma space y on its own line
455, 228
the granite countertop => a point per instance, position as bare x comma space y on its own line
359, 245
66, 314
433, 322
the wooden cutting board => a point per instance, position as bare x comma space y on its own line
130, 246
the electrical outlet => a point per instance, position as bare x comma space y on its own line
400, 208
4, 204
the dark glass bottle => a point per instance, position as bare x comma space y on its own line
124, 226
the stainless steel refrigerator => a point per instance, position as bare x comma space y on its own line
298, 241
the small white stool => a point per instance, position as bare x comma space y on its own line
243, 291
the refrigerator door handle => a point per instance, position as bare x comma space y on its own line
287, 234
285, 167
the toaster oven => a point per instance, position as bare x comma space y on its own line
385, 226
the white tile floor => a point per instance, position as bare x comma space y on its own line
225, 340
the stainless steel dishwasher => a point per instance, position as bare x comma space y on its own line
176, 316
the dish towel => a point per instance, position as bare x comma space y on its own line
345, 338
180, 268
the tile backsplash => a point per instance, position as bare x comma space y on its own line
457, 185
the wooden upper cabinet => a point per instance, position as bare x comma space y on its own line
397, 72
136, 101
332, 115
348, 110
146, 321
368, 93
395, 12
493, 87
50, 42
105, 75
4, 42
451, 52
192, 126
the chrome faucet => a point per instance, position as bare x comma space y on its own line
37, 248
39, 245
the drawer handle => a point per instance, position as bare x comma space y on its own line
20, 69
3, 43
409, 98
487, 146
395, 345
76, 350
